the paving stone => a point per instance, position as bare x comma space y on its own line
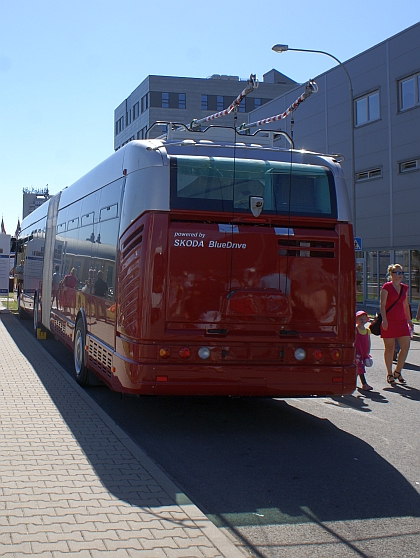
72, 482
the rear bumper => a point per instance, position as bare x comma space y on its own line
232, 379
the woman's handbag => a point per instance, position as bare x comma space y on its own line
375, 324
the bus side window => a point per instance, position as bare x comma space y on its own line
105, 251
88, 219
110, 212
72, 240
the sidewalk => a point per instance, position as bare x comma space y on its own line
71, 481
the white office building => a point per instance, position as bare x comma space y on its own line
183, 99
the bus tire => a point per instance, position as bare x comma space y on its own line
82, 373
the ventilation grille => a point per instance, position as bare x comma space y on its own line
132, 242
408, 166
100, 358
369, 174
306, 248
59, 327
130, 281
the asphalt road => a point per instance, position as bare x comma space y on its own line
314, 477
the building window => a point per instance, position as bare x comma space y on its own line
136, 111
128, 118
408, 91
204, 102
241, 107
142, 133
408, 166
144, 102
220, 105
119, 125
182, 101
369, 174
257, 103
367, 108
165, 100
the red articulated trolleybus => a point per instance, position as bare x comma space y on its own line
204, 262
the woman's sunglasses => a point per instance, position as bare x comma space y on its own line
398, 272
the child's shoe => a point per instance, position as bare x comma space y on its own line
367, 387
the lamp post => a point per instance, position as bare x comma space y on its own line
284, 48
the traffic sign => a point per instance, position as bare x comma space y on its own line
357, 243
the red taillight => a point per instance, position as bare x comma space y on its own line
336, 354
337, 380
164, 352
161, 378
318, 354
185, 352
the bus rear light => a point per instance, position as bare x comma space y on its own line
300, 354
204, 353
185, 352
164, 352
318, 354
337, 380
161, 378
336, 354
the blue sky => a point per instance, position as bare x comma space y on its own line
65, 66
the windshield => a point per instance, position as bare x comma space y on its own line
224, 184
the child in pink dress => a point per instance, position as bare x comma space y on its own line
362, 345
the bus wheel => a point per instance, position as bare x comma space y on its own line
82, 373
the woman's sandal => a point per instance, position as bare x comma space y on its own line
391, 380
397, 376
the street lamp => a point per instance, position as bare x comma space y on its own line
284, 48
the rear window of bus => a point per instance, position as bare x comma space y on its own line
223, 184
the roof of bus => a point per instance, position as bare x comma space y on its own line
140, 154
106, 172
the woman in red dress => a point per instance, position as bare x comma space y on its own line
396, 322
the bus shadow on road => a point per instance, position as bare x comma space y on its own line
245, 462
279, 459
